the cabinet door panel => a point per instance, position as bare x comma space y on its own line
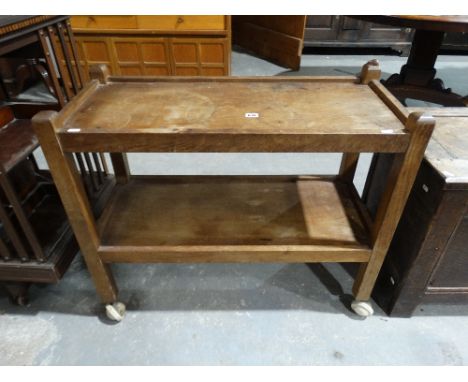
141, 55
199, 56
93, 51
155, 56
452, 270
321, 28
350, 29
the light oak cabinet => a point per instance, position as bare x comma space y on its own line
155, 45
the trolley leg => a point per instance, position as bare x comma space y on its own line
399, 184
120, 165
73, 196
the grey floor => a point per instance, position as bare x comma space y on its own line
249, 314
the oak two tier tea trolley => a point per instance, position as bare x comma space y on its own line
181, 219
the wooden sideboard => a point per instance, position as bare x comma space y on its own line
155, 45
333, 31
347, 32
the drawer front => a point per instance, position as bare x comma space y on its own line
104, 22
181, 23
161, 23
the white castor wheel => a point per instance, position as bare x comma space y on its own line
362, 308
115, 311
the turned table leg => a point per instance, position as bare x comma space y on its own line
417, 78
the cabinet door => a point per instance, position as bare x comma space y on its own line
319, 28
156, 56
276, 38
136, 56
350, 29
94, 50
451, 269
199, 56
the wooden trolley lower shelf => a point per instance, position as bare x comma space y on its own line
234, 219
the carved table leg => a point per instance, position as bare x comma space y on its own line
417, 77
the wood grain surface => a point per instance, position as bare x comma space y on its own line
250, 218
447, 151
249, 114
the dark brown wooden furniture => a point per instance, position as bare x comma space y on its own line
454, 41
234, 219
36, 242
29, 47
428, 258
276, 38
347, 32
417, 78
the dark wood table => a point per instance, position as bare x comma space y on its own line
417, 78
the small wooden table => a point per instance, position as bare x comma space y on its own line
237, 218
417, 78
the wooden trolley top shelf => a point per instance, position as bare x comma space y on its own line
256, 114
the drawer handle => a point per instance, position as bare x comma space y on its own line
180, 20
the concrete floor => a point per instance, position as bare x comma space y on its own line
249, 314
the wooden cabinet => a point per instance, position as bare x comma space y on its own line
428, 258
343, 31
276, 38
347, 32
155, 45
